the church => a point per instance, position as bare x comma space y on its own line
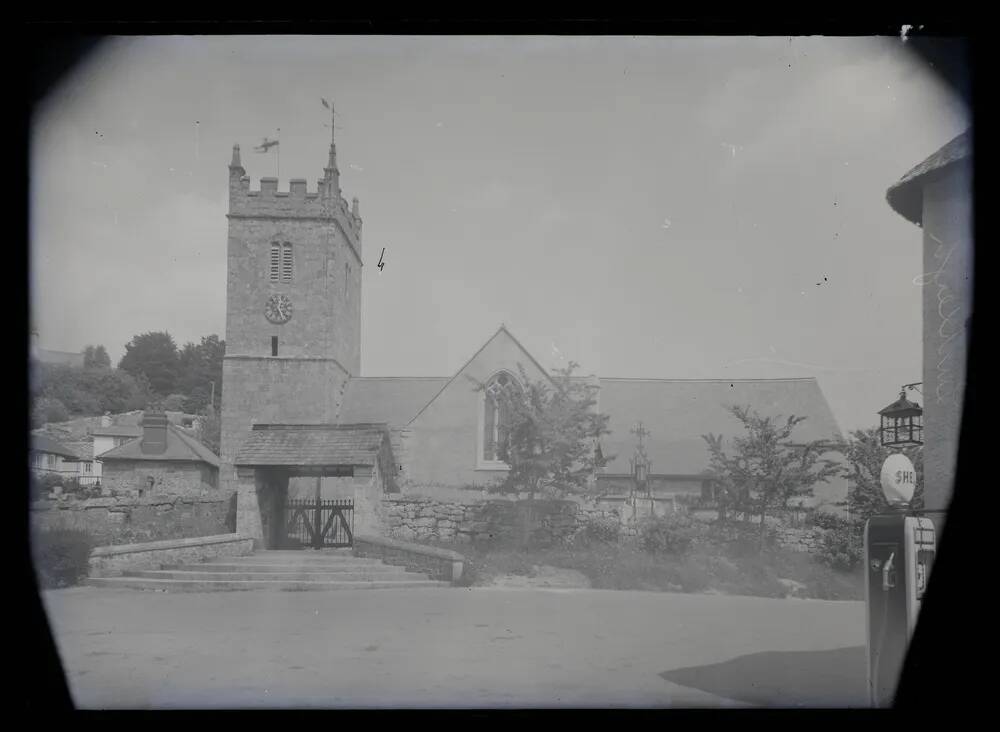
299, 419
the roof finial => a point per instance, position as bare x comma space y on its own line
236, 158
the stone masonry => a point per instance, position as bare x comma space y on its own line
319, 347
128, 519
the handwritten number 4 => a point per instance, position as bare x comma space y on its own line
381, 264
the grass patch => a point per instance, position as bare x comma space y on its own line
701, 568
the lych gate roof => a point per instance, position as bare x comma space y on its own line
678, 412
180, 448
312, 445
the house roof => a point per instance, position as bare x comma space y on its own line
44, 443
118, 430
392, 400
59, 357
906, 196
678, 412
312, 445
181, 447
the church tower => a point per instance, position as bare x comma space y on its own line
293, 303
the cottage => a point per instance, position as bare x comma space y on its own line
163, 459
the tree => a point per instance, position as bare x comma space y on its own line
47, 410
96, 357
865, 455
210, 430
153, 355
767, 469
554, 428
200, 366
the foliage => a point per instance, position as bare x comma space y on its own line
46, 410
61, 556
96, 357
865, 455
551, 445
768, 469
200, 367
843, 546
599, 529
83, 391
624, 567
671, 534
154, 355
210, 430
174, 403
740, 538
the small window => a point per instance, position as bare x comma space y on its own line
275, 261
274, 345
87, 468
286, 262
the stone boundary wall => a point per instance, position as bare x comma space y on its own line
130, 519
440, 564
801, 540
111, 561
412, 517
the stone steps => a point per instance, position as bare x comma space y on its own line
180, 585
290, 570
387, 574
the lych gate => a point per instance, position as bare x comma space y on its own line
311, 486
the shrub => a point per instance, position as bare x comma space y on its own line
46, 409
741, 538
672, 534
600, 529
827, 520
61, 557
843, 547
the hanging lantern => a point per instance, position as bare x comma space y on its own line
902, 423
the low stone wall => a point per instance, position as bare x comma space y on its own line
800, 540
440, 564
129, 519
477, 519
111, 561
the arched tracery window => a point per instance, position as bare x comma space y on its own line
496, 415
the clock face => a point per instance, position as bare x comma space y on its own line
278, 309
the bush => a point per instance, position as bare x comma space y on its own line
61, 557
46, 409
827, 520
741, 538
600, 529
843, 547
672, 534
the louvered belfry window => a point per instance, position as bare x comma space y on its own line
286, 262
275, 261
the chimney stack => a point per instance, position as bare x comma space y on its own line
106, 420
154, 433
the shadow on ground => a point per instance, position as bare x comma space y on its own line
835, 678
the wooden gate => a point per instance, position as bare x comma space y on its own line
317, 524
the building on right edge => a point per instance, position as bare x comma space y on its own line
936, 195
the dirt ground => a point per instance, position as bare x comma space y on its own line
455, 647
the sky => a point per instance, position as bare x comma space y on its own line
659, 207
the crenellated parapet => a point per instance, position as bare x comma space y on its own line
326, 201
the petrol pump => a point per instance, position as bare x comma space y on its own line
899, 550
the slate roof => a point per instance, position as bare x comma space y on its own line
906, 196
312, 445
678, 412
390, 399
180, 448
118, 430
44, 443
